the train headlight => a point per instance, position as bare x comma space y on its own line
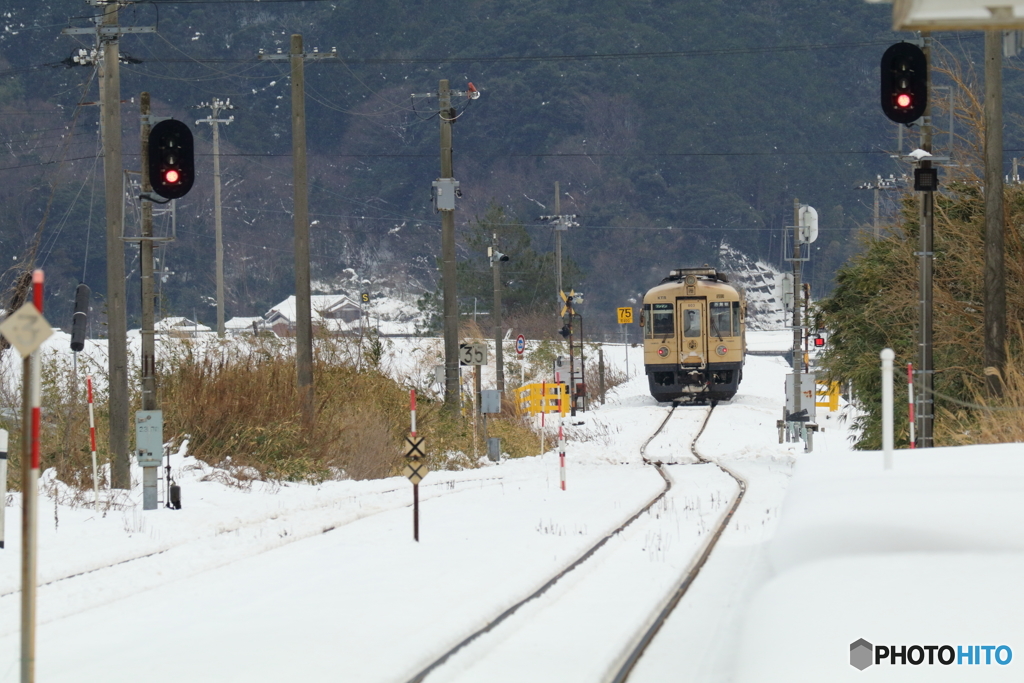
663, 351
721, 350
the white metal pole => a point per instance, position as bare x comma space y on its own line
92, 444
3, 481
910, 402
887, 356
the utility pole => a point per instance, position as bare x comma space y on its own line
117, 321
995, 269
445, 190
559, 229
303, 307
496, 258
925, 413
797, 292
561, 224
216, 106
448, 270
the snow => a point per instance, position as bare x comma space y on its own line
256, 581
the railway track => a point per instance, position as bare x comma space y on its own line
635, 650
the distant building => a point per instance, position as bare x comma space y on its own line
180, 327
238, 325
334, 312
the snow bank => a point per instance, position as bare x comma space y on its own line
928, 553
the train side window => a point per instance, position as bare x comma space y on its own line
662, 320
691, 323
735, 318
645, 320
719, 323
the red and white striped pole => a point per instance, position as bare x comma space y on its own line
910, 401
415, 485
561, 452
92, 445
30, 497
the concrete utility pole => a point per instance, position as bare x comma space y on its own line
303, 307
117, 321
216, 106
499, 363
995, 269
797, 292
148, 331
925, 372
559, 229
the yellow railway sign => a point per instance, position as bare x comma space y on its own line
625, 315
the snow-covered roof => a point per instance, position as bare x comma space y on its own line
321, 304
180, 324
240, 323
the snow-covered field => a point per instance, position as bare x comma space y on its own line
325, 583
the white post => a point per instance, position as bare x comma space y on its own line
3, 481
887, 356
92, 445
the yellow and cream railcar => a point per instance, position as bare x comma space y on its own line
694, 336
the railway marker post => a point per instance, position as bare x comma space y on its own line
92, 445
26, 329
910, 401
561, 452
887, 355
416, 466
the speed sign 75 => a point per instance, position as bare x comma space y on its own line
473, 354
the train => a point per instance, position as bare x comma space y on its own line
694, 325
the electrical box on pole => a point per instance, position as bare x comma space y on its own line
445, 190
904, 73
171, 162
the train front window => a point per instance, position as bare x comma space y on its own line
719, 323
691, 323
735, 318
663, 320
645, 320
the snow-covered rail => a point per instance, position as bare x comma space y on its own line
499, 619
637, 651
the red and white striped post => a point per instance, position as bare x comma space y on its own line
92, 446
910, 402
415, 486
30, 496
561, 451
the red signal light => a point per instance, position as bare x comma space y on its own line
171, 176
819, 342
903, 100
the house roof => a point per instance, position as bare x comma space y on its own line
320, 304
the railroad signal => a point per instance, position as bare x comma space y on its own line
171, 163
904, 72
819, 342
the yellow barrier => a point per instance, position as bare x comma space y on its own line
533, 401
832, 393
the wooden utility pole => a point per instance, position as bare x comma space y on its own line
117, 321
448, 270
303, 307
216, 106
995, 269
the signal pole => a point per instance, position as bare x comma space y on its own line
797, 292
303, 307
216, 106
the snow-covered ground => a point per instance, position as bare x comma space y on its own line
274, 582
